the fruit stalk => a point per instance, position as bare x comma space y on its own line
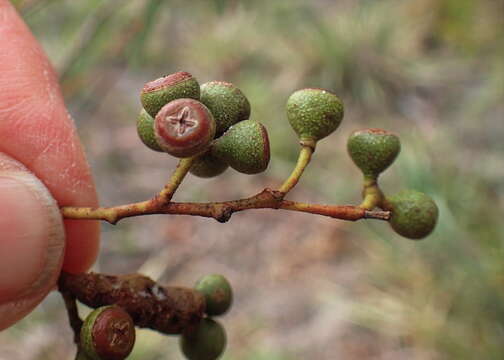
81, 355
304, 158
175, 180
371, 193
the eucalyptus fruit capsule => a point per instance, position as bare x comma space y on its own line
184, 128
207, 166
218, 293
207, 342
227, 103
245, 147
314, 113
373, 150
157, 93
108, 333
413, 214
145, 130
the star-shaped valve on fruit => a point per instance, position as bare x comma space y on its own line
181, 120
184, 127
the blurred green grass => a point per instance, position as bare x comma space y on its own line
430, 70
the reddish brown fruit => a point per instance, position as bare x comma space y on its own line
184, 128
108, 333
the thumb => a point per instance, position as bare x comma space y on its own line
31, 241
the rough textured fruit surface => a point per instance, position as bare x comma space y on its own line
157, 93
414, 214
245, 147
373, 150
207, 342
108, 333
314, 113
145, 130
184, 128
218, 293
207, 166
226, 102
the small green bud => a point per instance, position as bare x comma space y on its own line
373, 150
314, 113
157, 93
207, 342
207, 166
184, 128
145, 130
245, 147
218, 293
108, 333
414, 214
226, 102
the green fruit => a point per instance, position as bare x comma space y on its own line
314, 113
184, 128
245, 147
207, 166
145, 130
108, 333
414, 214
226, 102
373, 150
218, 293
207, 342
157, 93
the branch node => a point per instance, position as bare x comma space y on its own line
223, 213
275, 194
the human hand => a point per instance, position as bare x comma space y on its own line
42, 167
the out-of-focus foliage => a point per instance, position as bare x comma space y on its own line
432, 71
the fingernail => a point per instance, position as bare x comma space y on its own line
31, 236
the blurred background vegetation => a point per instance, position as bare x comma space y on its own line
306, 287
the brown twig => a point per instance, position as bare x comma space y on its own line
221, 211
170, 310
72, 311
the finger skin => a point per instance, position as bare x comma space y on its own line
36, 130
32, 245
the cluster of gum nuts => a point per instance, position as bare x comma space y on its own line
211, 123
108, 332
